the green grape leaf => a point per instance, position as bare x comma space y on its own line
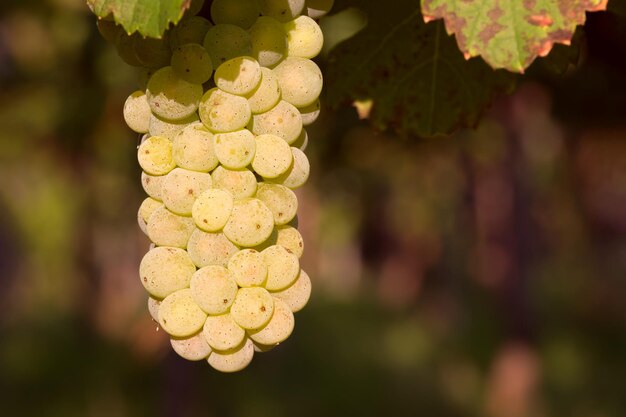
510, 34
412, 73
148, 17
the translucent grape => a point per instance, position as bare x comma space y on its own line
282, 10
290, 238
239, 75
224, 112
213, 288
270, 241
262, 348
240, 183
168, 229
250, 223
179, 315
302, 142
210, 248
212, 209
310, 113
193, 149
189, 30
192, 63
300, 80
248, 268
155, 155
273, 156
222, 333
194, 348
283, 120
278, 329
124, 45
170, 129
242, 13
282, 267
304, 37
226, 41
137, 112
268, 40
146, 208
235, 150
171, 97
253, 307
282, 202
164, 270
298, 174
297, 295
318, 8
267, 93
232, 360
153, 308
152, 52
195, 7
181, 187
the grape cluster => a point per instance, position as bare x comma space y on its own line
222, 117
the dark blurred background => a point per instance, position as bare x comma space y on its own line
482, 274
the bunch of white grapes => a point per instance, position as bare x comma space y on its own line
222, 117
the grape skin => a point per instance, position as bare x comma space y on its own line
222, 332
304, 37
192, 63
181, 187
278, 328
268, 41
224, 112
283, 267
190, 30
253, 307
232, 360
164, 270
248, 268
240, 75
273, 156
155, 155
179, 315
170, 97
283, 120
212, 209
213, 288
300, 80
165, 228
194, 348
242, 13
207, 248
137, 112
267, 93
250, 223
193, 149
297, 295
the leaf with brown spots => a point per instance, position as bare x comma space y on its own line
411, 75
148, 17
510, 34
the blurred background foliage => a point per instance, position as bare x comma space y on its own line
481, 274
